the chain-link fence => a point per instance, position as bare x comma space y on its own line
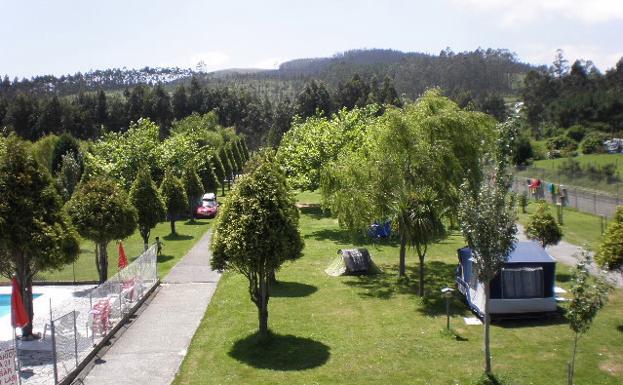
75, 327
581, 199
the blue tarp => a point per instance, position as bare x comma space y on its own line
377, 230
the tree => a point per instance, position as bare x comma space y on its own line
180, 102
424, 225
101, 211
206, 173
146, 199
256, 231
68, 176
314, 99
560, 67
488, 222
589, 295
193, 188
35, 233
610, 252
226, 161
65, 144
542, 227
429, 145
173, 197
219, 170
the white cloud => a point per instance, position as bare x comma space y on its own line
268, 63
512, 12
541, 54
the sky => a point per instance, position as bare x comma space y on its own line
66, 36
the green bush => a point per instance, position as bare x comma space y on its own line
593, 143
576, 132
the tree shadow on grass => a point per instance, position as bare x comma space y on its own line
620, 328
563, 277
341, 236
177, 237
438, 275
531, 320
163, 258
291, 289
280, 352
315, 211
196, 222
383, 285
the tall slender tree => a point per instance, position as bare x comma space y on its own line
488, 220
145, 197
174, 198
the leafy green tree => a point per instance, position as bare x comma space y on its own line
35, 234
424, 225
226, 161
65, 144
101, 211
219, 170
121, 155
314, 99
42, 150
68, 176
145, 198
206, 173
180, 102
488, 222
311, 144
401, 155
174, 198
610, 252
543, 227
50, 118
593, 143
256, 231
193, 188
236, 156
589, 295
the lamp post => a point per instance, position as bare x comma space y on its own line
447, 293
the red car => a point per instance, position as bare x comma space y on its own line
207, 209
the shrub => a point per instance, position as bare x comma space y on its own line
576, 132
593, 143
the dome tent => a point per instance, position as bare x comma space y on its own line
352, 262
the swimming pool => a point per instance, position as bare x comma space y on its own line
5, 303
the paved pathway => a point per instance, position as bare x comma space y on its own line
564, 252
152, 348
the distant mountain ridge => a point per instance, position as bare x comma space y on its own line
491, 71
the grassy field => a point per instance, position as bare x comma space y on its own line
175, 247
594, 159
376, 330
548, 169
579, 228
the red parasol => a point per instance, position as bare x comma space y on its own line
19, 317
123, 260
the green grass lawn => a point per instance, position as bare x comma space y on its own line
578, 228
175, 247
547, 169
594, 159
376, 330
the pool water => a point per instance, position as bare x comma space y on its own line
5, 303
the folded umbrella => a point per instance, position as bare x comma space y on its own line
19, 317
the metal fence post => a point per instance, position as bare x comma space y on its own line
595, 203
75, 338
55, 363
120, 298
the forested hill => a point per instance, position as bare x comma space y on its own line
479, 72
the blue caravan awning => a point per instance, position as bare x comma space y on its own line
529, 252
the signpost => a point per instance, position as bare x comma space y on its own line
8, 372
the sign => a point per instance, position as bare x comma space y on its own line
8, 374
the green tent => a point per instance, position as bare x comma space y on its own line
352, 262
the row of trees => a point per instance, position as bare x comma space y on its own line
107, 188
